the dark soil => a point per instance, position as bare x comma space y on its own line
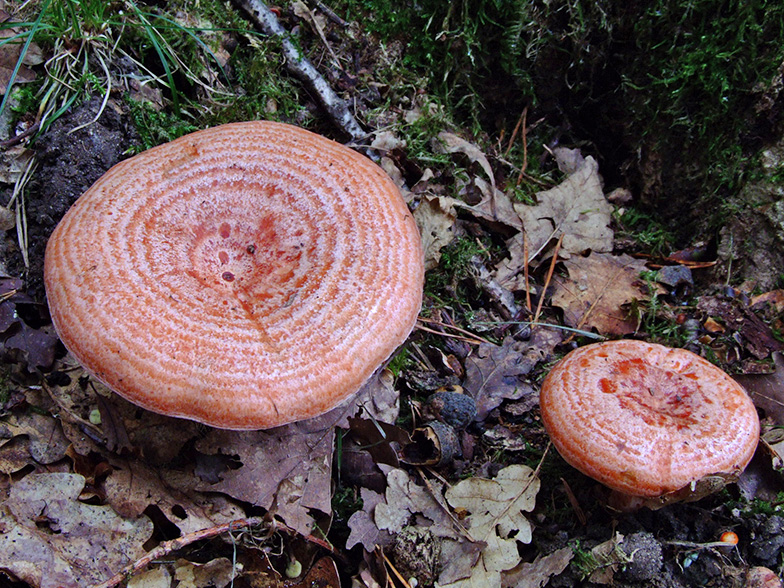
69, 163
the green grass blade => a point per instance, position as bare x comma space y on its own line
30, 35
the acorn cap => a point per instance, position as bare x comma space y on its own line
647, 420
246, 276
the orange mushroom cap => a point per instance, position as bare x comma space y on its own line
647, 420
245, 276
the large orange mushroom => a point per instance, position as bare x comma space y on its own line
245, 276
654, 424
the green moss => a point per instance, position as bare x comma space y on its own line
768, 508
399, 362
5, 384
664, 91
264, 92
648, 231
445, 281
156, 127
345, 502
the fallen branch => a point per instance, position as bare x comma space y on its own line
167, 547
301, 67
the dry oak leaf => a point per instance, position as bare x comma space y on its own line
495, 372
217, 573
363, 525
435, 216
157, 577
451, 143
51, 540
576, 208
756, 336
29, 437
767, 390
538, 573
9, 58
133, 487
495, 520
406, 501
495, 207
286, 470
597, 290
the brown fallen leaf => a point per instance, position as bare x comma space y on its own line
608, 557
363, 526
756, 337
11, 51
435, 217
36, 347
133, 487
13, 162
767, 390
40, 436
496, 209
538, 573
576, 209
50, 539
595, 293
122, 427
496, 521
285, 470
451, 143
405, 499
495, 373
322, 573
775, 298
158, 577
217, 573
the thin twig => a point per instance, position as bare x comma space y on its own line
31, 130
516, 130
575, 505
397, 574
453, 327
301, 67
451, 336
167, 547
331, 14
708, 545
547, 280
466, 336
458, 525
524, 166
525, 272
320, 31
588, 334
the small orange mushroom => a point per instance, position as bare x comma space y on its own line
729, 537
654, 424
245, 276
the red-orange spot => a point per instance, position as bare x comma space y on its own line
224, 257
225, 230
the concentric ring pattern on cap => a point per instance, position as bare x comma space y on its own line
645, 419
246, 276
